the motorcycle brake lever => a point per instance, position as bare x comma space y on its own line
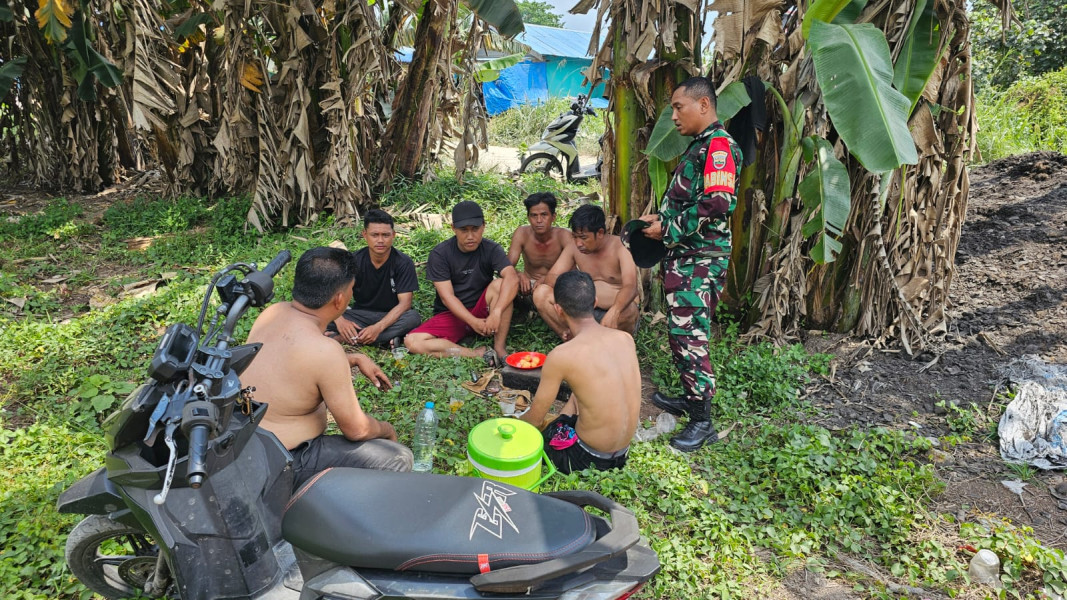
155, 419
168, 438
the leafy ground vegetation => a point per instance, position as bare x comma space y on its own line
785, 500
522, 126
1028, 115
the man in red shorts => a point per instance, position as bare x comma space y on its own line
469, 299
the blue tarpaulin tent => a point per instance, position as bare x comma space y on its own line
552, 69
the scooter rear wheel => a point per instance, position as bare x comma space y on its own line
111, 559
543, 163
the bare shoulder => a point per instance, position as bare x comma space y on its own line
621, 339
522, 233
562, 353
563, 236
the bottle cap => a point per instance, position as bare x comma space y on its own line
429, 405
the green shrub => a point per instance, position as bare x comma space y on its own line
57, 221
154, 216
1030, 115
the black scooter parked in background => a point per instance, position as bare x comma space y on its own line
195, 502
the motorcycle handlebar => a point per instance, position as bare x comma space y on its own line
198, 435
277, 263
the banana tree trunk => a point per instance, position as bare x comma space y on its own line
406, 133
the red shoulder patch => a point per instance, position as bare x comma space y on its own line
720, 172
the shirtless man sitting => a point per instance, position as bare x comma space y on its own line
596, 425
610, 265
300, 374
539, 244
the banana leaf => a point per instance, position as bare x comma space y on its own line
731, 100
490, 70
89, 65
822, 10
666, 143
855, 74
826, 193
658, 175
919, 55
791, 147
502, 14
850, 13
192, 25
11, 71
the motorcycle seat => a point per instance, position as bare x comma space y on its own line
437, 523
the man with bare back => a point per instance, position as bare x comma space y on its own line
607, 261
539, 244
596, 425
300, 374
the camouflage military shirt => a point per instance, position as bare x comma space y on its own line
703, 192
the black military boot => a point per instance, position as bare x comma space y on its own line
699, 430
678, 407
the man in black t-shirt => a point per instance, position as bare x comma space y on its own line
469, 299
381, 311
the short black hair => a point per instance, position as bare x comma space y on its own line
575, 294
377, 215
588, 217
699, 87
320, 273
547, 198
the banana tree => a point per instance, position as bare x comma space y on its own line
866, 103
429, 82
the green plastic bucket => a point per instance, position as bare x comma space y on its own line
509, 450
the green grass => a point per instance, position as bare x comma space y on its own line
729, 521
1029, 116
523, 126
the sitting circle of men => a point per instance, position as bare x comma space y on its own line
581, 280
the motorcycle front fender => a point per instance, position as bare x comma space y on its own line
94, 494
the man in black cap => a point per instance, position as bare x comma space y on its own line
470, 300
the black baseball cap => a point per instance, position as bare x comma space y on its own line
467, 213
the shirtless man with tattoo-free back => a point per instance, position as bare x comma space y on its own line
300, 374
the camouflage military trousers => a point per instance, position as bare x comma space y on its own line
693, 286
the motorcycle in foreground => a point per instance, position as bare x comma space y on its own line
195, 502
556, 154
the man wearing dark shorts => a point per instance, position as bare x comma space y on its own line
302, 374
381, 311
600, 366
469, 300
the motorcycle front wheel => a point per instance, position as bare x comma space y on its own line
543, 163
111, 559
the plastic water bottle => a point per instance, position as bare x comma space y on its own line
425, 439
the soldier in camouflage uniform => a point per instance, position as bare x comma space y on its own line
693, 222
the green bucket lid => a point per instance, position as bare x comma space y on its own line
505, 444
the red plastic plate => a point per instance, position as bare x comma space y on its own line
515, 359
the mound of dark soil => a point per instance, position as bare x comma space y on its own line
1008, 299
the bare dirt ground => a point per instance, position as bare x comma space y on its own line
1007, 300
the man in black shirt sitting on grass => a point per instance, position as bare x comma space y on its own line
381, 311
469, 300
